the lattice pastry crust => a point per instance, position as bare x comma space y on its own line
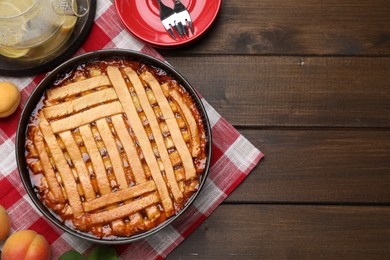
116, 147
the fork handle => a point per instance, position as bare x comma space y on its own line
163, 7
178, 2
161, 4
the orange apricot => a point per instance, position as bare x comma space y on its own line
26, 244
5, 223
9, 98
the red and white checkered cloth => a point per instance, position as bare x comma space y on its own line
233, 158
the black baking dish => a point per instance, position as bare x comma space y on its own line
39, 91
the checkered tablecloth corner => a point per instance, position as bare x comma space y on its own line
233, 158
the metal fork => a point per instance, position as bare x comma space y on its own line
168, 18
184, 17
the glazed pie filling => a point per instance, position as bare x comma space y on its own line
115, 147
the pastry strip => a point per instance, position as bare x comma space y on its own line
77, 87
78, 162
119, 196
76, 105
190, 119
116, 161
123, 93
124, 210
133, 157
86, 117
140, 90
48, 169
174, 129
130, 150
113, 152
62, 167
96, 159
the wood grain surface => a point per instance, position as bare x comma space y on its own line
299, 27
349, 166
308, 83
290, 232
293, 91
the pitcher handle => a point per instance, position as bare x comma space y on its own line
70, 7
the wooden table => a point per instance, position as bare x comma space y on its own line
308, 83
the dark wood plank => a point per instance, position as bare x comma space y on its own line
279, 232
293, 91
312, 27
318, 166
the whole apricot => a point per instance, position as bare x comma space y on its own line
9, 98
26, 244
5, 223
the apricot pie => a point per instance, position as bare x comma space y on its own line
115, 147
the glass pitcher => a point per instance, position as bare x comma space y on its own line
33, 29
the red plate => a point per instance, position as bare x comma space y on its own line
142, 19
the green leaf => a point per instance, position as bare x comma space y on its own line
103, 253
72, 255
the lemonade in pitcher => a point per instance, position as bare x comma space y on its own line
34, 29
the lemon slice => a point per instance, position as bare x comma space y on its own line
13, 53
69, 23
